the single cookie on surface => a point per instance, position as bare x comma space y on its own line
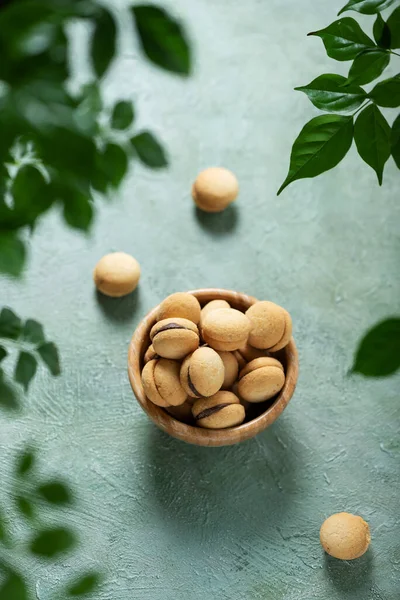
182, 305
202, 373
161, 382
214, 189
225, 329
271, 326
150, 354
174, 338
345, 536
210, 306
261, 379
218, 412
231, 368
116, 274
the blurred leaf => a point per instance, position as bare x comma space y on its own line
114, 164
327, 92
10, 324
25, 507
322, 144
368, 65
393, 23
378, 354
89, 107
372, 137
55, 492
13, 587
395, 141
3, 353
78, 211
387, 93
25, 369
49, 354
344, 39
162, 38
123, 115
149, 150
8, 395
382, 33
84, 585
12, 254
104, 42
3, 528
25, 462
367, 7
33, 332
51, 542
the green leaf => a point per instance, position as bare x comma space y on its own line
378, 354
366, 7
123, 115
55, 492
3, 527
13, 587
322, 144
10, 324
368, 65
31, 196
387, 93
25, 462
382, 33
3, 353
149, 150
84, 585
326, 92
395, 141
78, 211
162, 39
25, 506
52, 542
8, 395
104, 42
49, 355
25, 369
113, 164
372, 137
33, 332
12, 254
393, 23
344, 39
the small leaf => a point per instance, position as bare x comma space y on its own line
387, 93
13, 587
84, 585
395, 141
25, 507
378, 354
55, 492
8, 394
344, 39
113, 164
368, 65
78, 211
33, 332
322, 144
3, 353
149, 150
25, 369
52, 542
104, 42
382, 33
12, 254
10, 324
31, 196
366, 7
393, 23
327, 92
162, 38
122, 116
372, 137
49, 354
25, 462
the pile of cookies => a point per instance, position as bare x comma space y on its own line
207, 366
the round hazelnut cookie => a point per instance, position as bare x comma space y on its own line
231, 369
202, 373
225, 329
174, 338
271, 326
214, 189
116, 274
219, 412
345, 536
210, 306
161, 382
182, 305
261, 379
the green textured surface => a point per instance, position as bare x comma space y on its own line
167, 521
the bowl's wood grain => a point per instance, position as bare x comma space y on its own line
197, 435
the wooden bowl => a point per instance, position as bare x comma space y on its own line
196, 435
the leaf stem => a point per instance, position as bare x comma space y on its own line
361, 107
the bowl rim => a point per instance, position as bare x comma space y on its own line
190, 433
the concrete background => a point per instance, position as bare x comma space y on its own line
167, 521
